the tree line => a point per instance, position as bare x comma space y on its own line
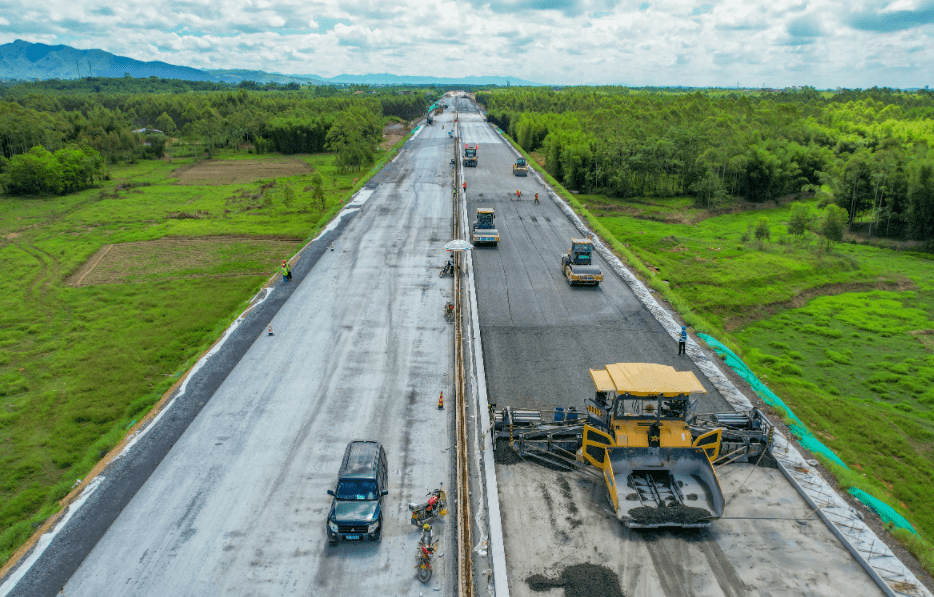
870, 152
286, 121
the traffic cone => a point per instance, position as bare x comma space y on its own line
441, 401
270, 330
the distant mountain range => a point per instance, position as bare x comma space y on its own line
28, 61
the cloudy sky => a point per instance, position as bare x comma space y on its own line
824, 43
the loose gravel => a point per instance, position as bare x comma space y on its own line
580, 580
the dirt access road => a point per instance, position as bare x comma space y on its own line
540, 336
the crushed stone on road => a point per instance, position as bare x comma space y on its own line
580, 580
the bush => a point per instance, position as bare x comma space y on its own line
40, 172
762, 229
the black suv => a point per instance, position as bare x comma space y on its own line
356, 511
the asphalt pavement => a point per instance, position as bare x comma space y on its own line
540, 337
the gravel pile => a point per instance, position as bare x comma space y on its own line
580, 580
674, 514
503, 454
767, 460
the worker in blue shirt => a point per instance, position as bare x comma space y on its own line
682, 340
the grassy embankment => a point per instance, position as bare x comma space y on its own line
844, 337
80, 364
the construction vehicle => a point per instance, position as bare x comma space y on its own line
654, 454
482, 231
520, 168
470, 155
577, 264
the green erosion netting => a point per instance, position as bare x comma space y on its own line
805, 437
885, 512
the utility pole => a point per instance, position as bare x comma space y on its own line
90, 72
78, 66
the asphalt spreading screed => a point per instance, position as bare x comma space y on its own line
673, 514
580, 580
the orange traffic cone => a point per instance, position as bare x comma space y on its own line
441, 401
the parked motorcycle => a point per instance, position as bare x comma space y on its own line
437, 504
423, 560
449, 312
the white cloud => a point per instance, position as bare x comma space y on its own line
825, 43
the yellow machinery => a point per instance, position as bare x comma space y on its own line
657, 473
577, 265
641, 432
520, 168
482, 230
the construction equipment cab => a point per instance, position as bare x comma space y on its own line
470, 155
657, 473
577, 264
520, 168
482, 231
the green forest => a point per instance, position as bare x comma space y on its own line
81, 126
869, 152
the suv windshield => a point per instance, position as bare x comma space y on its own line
356, 489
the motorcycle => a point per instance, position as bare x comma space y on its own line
448, 267
423, 560
449, 312
437, 504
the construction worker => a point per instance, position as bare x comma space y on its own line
518, 194
682, 340
536, 198
464, 184
286, 272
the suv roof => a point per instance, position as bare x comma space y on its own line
361, 460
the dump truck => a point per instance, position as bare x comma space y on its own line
482, 230
641, 434
470, 155
577, 264
520, 168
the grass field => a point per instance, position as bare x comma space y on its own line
82, 358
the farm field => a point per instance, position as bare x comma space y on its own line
844, 337
111, 293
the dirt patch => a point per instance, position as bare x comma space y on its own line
580, 580
175, 258
926, 337
218, 172
752, 313
393, 133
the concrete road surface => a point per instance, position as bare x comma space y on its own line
540, 337
361, 351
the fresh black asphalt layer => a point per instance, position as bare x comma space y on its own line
540, 336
